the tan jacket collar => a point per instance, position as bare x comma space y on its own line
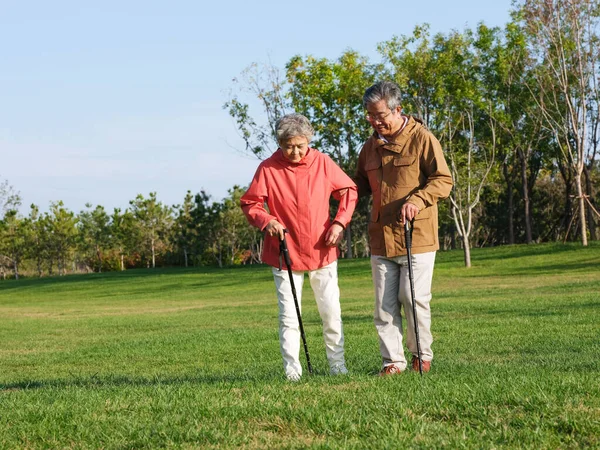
397, 142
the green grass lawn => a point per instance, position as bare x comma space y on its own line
190, 359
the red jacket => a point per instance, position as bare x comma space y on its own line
297, 195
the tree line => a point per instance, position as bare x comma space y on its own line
146, 234
516, 109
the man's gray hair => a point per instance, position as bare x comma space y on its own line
383, 90
292, 125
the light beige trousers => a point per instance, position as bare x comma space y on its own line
392, 294
324, 283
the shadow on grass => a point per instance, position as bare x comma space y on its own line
95, 381
218, 277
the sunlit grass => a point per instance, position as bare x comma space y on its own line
190, 358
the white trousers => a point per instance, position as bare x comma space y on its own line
392, 293
324, 283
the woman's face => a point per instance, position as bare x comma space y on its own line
294, 148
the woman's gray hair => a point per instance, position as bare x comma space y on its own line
383, 90
292, 125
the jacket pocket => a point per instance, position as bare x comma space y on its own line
374, 174
423, 214
424, 234
404, 161
406, 169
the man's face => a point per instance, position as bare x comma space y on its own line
295, 148
383, 120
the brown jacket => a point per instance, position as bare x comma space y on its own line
409, 168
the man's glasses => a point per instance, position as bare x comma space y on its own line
377, 117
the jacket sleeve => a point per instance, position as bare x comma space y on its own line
439, 180
360, 177
253, 201
344, 190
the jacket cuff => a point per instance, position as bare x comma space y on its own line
265, 222
416, 201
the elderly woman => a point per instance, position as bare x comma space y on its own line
296, 183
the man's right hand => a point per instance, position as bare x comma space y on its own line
274, 228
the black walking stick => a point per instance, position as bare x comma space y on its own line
286, 256
408, 235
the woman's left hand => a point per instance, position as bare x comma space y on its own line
334, 234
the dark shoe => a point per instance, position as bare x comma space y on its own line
425, 365
392, 369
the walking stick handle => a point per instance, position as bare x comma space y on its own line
283, 248
408, 226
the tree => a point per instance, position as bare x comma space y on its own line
264, 83
38, 244
563, 36
153, 221
9, 198
62, 234
505, 73
184, 232
123, 234
13, 239
94, 233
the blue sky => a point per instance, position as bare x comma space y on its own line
101, 101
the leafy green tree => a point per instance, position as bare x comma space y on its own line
62, 235
94, 233
184, 229
153, 221
13, 239
9, 198
124, 234
243, 240
329, 94
39, 239
203, 230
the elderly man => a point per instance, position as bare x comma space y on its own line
403, 167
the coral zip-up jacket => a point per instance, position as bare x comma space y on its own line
297, 196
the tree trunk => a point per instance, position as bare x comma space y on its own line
510, 200
463, 232
16, 268
582, 206
122, 262
153, 256
525, 194
349, 253
467, 250
590, 196
185, 256
565, 172
99, 256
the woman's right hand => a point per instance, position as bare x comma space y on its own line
274, 228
